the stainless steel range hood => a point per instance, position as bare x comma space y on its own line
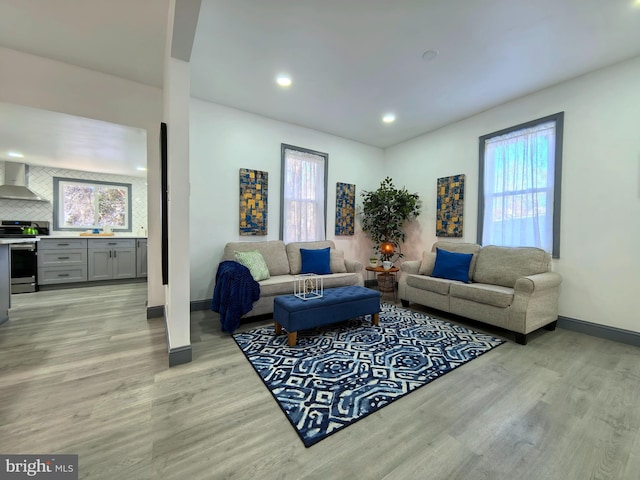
15, 184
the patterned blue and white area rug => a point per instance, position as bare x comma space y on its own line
341, 373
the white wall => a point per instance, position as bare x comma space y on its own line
176, 114
600, 224
223, 140
47, 84
41, 182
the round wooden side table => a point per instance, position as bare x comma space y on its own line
386, 279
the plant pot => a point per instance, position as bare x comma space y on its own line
387, 265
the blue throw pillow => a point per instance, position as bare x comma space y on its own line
316, 261
452, 266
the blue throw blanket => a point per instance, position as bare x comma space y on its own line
234, 294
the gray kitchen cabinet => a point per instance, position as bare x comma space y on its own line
111, 259
62, 261
141, 257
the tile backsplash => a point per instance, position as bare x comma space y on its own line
40, 180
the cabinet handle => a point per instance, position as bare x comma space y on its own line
112, 243
63, 244
63, 258
109, 253
63, 274
114, 254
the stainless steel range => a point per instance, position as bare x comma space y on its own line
24, 264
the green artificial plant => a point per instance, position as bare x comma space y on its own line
384, 213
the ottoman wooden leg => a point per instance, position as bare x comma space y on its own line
374, 319
293, 338
278, 328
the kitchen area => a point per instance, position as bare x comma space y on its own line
34, 258
73, 204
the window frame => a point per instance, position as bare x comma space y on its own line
325, 156
57, 203
558, 119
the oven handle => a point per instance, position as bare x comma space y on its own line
23, 246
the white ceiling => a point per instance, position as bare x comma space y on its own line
351, 60
54, 139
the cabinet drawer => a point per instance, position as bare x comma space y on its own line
51, 275
55, 258
62, 243
96, 243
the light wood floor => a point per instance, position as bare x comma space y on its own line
83, 371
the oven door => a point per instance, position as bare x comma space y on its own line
23, 267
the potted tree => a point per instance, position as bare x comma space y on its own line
384, 213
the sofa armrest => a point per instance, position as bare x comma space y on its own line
537, 283
410, 266
353, 266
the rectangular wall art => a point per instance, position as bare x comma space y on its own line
450, 206
253, 202
345, 208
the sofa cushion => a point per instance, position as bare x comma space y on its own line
451, 265
494, 295
283, 284
273, 252
337, 261
504, 265
255, 263
293, 253
340, 280
427, 263
431, 284
315, 261
460, 247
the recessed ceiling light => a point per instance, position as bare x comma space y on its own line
141, 169
283, 80
430, 54
15, 154
389, 118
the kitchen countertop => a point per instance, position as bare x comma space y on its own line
108, 237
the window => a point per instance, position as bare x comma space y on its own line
519, 190
87, 204
304, 194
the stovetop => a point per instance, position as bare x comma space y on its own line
13, 228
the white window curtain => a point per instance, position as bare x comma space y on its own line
303, 197
519, 188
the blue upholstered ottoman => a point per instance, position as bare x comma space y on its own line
336, 305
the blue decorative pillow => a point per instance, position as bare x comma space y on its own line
316, 261
452, 266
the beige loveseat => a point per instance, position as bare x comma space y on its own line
284, 262
510, 287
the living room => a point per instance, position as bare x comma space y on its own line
599, 107
596, 262
600, 188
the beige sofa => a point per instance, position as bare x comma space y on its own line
511, 287
284, 262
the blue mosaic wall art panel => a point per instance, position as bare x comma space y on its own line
345, 208
254, 188
450, 209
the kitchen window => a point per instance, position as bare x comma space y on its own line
304, 194
519, 187
88, 204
